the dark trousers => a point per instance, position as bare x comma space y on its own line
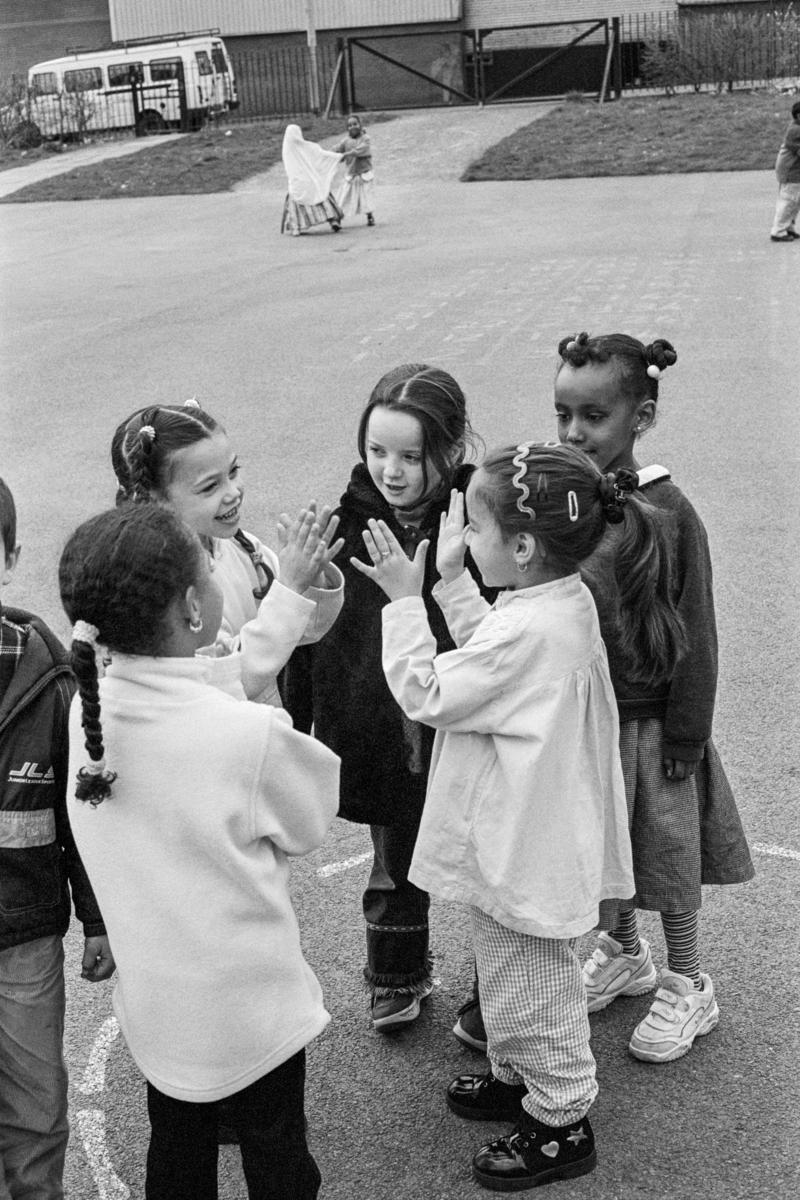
396, 911
270, 1121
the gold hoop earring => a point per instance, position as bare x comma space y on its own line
196, 624
522, 567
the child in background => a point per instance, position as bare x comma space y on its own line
309, 179
186, 836
412, 439
39, 868
787, 172
525, 817
685, 827
182, 457
357, 192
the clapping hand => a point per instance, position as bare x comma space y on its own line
305, 548
452, 545
392, 569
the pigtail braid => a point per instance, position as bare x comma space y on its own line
94, 780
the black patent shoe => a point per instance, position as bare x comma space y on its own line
534, 1154
484, 1098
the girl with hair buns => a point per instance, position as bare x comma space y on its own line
186, 811
413, 435
685, 827
525, 818
180, 456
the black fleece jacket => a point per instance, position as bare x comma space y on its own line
338, 684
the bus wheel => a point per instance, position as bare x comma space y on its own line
25, 136
150, 121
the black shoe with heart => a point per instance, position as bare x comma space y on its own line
533, 1154
484, 1098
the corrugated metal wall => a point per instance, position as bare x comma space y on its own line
147, 18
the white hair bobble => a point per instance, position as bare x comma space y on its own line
147, 431
192, 403
82, 631
654, 372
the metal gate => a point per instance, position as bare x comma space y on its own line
478, 66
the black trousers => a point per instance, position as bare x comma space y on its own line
396, 912
269, 1118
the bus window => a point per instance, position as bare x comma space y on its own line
220, 61
203, 63
45, 84
87, 79
124, 74
162, 69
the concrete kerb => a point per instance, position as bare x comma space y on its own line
71, 160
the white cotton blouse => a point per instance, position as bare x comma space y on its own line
525, 815
267, 631
189, 861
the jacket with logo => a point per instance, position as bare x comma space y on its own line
39, 863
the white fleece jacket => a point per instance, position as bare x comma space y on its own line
188, 859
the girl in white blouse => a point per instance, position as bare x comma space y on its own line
525, 818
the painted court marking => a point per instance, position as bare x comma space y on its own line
91, 1121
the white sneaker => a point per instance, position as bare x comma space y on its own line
678, 1015
610, 973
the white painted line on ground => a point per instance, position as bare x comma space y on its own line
92, 1125
776, 851
94, 1077
345, 865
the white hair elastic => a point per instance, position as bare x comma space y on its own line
192, 403
149, 432
82, 631
653, 371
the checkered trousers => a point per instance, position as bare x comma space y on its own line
534, 1008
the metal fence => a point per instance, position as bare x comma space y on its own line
700, 49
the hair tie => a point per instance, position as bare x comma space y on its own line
654, 372
614, 492
192, 403
82, 631
571, 345
519, 462
94, 782
148, 432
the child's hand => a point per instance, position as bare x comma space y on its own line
393, 570
98, 961
451, 546
676, 768
303, 547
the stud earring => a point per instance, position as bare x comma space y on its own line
522, 567
196, 624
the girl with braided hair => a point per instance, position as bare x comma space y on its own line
181, 456
685, 827
525, 818
197, 798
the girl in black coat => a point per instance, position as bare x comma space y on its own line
412, 438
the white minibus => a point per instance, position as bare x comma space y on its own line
152, 85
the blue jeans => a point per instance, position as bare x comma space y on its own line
270, 1121
33, 1076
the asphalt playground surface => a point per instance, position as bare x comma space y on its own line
107, 305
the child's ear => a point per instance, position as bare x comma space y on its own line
525, 550
645, 416
10, 566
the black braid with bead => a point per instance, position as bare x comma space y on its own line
92, 787
121, 571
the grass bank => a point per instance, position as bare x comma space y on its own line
738, 131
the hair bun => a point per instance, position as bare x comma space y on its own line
574, 350
660, 354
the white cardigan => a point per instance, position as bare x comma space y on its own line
525, 815
267, 632
188, 860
